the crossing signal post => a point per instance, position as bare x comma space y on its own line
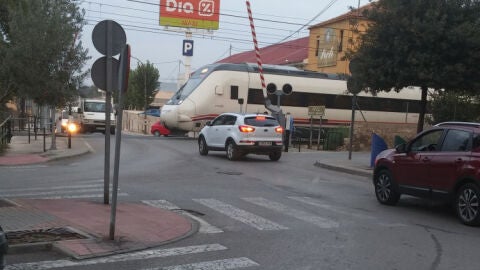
354, 86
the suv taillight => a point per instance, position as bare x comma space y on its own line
246, 129
279, 129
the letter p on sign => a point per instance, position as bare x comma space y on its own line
187, 47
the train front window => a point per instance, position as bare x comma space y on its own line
188, 87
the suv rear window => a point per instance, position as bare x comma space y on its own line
261, 121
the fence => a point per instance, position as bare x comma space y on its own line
138, 123
330, 139
25, 126
5, 133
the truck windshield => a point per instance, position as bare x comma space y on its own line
94, 106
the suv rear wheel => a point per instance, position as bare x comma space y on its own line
232, 152
202, 146
275, 156
467, 204
385, 189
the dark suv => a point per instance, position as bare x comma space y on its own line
442, 163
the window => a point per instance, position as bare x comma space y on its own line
427, 142
340, 43
233, 92
476, 143
261, 122
342, 102
94, 107
230, 120
219, 121
457, 140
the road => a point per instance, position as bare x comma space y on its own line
254, 213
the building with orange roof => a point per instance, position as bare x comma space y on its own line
331, 39
291, 53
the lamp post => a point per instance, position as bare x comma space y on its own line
145, 94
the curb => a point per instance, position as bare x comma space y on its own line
30, 248
56, 245
343, 169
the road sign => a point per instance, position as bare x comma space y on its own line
353, 85
109, 30
316, 110
99, 74
187, 47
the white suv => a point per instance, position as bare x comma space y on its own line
241, 134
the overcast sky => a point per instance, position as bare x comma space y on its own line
275, 20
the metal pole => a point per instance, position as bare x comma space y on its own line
28, 129
311, 132
44, 140
108, 109
116, 164
35, 126
319, 133
145, 89
354, 101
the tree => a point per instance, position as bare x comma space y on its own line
454, 106
89, 92
431, 44
41, 58
145, 76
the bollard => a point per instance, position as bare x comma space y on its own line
69, 133
44, 140
3, 248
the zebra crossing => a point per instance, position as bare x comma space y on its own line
235, 209
84, 190
230, 263
328, 220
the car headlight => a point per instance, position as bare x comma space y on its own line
72, 128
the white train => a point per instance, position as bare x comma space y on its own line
219, 88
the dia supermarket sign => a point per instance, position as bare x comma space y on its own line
201, 14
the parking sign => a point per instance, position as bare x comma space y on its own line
187, 47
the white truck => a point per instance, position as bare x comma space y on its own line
91, 116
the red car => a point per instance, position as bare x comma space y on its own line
442, 163
158, 129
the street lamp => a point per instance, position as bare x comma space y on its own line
145, 92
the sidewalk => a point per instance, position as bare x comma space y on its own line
137, 226
22, 152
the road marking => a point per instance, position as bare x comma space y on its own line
90, 148
81, 196
205, 227
140, 255
241, 215
50, 188
25, 167
298, 214
46, 193
314, 202
234, 263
